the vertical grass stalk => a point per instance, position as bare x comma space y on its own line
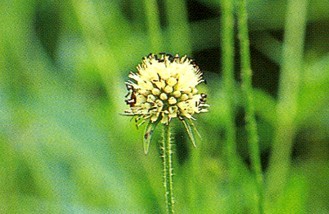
167, 169
153, 25
178, 26
246, 76
288, 94
227, 45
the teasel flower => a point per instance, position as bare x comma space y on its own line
164, 88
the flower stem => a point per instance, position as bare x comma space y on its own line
251, 125
167, 169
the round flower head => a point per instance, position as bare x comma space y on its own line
164, 88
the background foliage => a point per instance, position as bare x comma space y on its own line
65, 148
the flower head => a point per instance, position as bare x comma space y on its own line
164, 88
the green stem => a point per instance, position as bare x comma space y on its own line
228, 75
227, 44
178, 26
168, 169
247, 91
153, 24
292, 61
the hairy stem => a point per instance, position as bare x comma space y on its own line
167, 168
251, 125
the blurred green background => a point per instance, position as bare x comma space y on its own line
65, 148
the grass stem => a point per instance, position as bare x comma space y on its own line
178, 26
246, 76
228, 74
153, 25
288, 94
168, 169
227, 45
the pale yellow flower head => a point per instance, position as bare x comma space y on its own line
164, 88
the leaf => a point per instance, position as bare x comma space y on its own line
194, 129
188, 126
149, 130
